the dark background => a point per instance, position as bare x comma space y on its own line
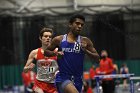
110, 31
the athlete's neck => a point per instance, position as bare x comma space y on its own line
71, 37
44, 47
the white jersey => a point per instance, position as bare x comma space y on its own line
46, 70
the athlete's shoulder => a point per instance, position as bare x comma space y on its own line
34, 52
58, 38
85, 38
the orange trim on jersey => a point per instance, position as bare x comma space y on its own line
41, 56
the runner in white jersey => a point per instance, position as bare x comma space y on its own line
46, 66
46, 70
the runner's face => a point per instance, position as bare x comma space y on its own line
104, 54
77, 26
46, 38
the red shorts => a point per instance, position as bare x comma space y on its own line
46, 87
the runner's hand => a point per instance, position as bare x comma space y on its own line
30, 67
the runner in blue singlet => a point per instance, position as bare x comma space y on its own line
72, 49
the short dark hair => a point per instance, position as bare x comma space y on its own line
73, 18
45, 29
